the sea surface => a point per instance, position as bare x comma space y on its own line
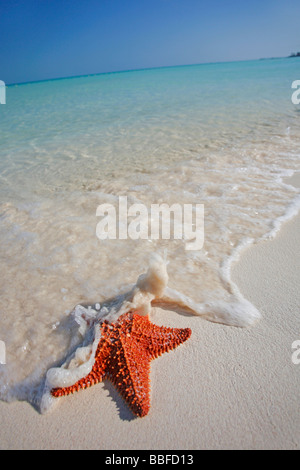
223, 135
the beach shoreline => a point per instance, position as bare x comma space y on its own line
226, 388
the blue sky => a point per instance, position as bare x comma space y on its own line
42, 39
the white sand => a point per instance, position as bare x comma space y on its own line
225, 388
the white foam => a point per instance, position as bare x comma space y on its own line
72, 370
291, 211
237, 311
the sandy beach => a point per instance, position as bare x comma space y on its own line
225, 388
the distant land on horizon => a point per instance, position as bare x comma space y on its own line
292, 55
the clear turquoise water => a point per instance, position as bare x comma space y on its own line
223, 135
113, 121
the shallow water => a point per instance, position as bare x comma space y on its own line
222, 135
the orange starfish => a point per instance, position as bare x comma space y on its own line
123, 355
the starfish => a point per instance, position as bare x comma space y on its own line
123, 355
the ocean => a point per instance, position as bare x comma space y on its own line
221, 135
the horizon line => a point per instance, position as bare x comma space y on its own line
137, 70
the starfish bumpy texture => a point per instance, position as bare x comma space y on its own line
123, 355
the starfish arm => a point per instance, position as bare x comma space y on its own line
86, 382
132, 376
138, 389
159, 339
96, 375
